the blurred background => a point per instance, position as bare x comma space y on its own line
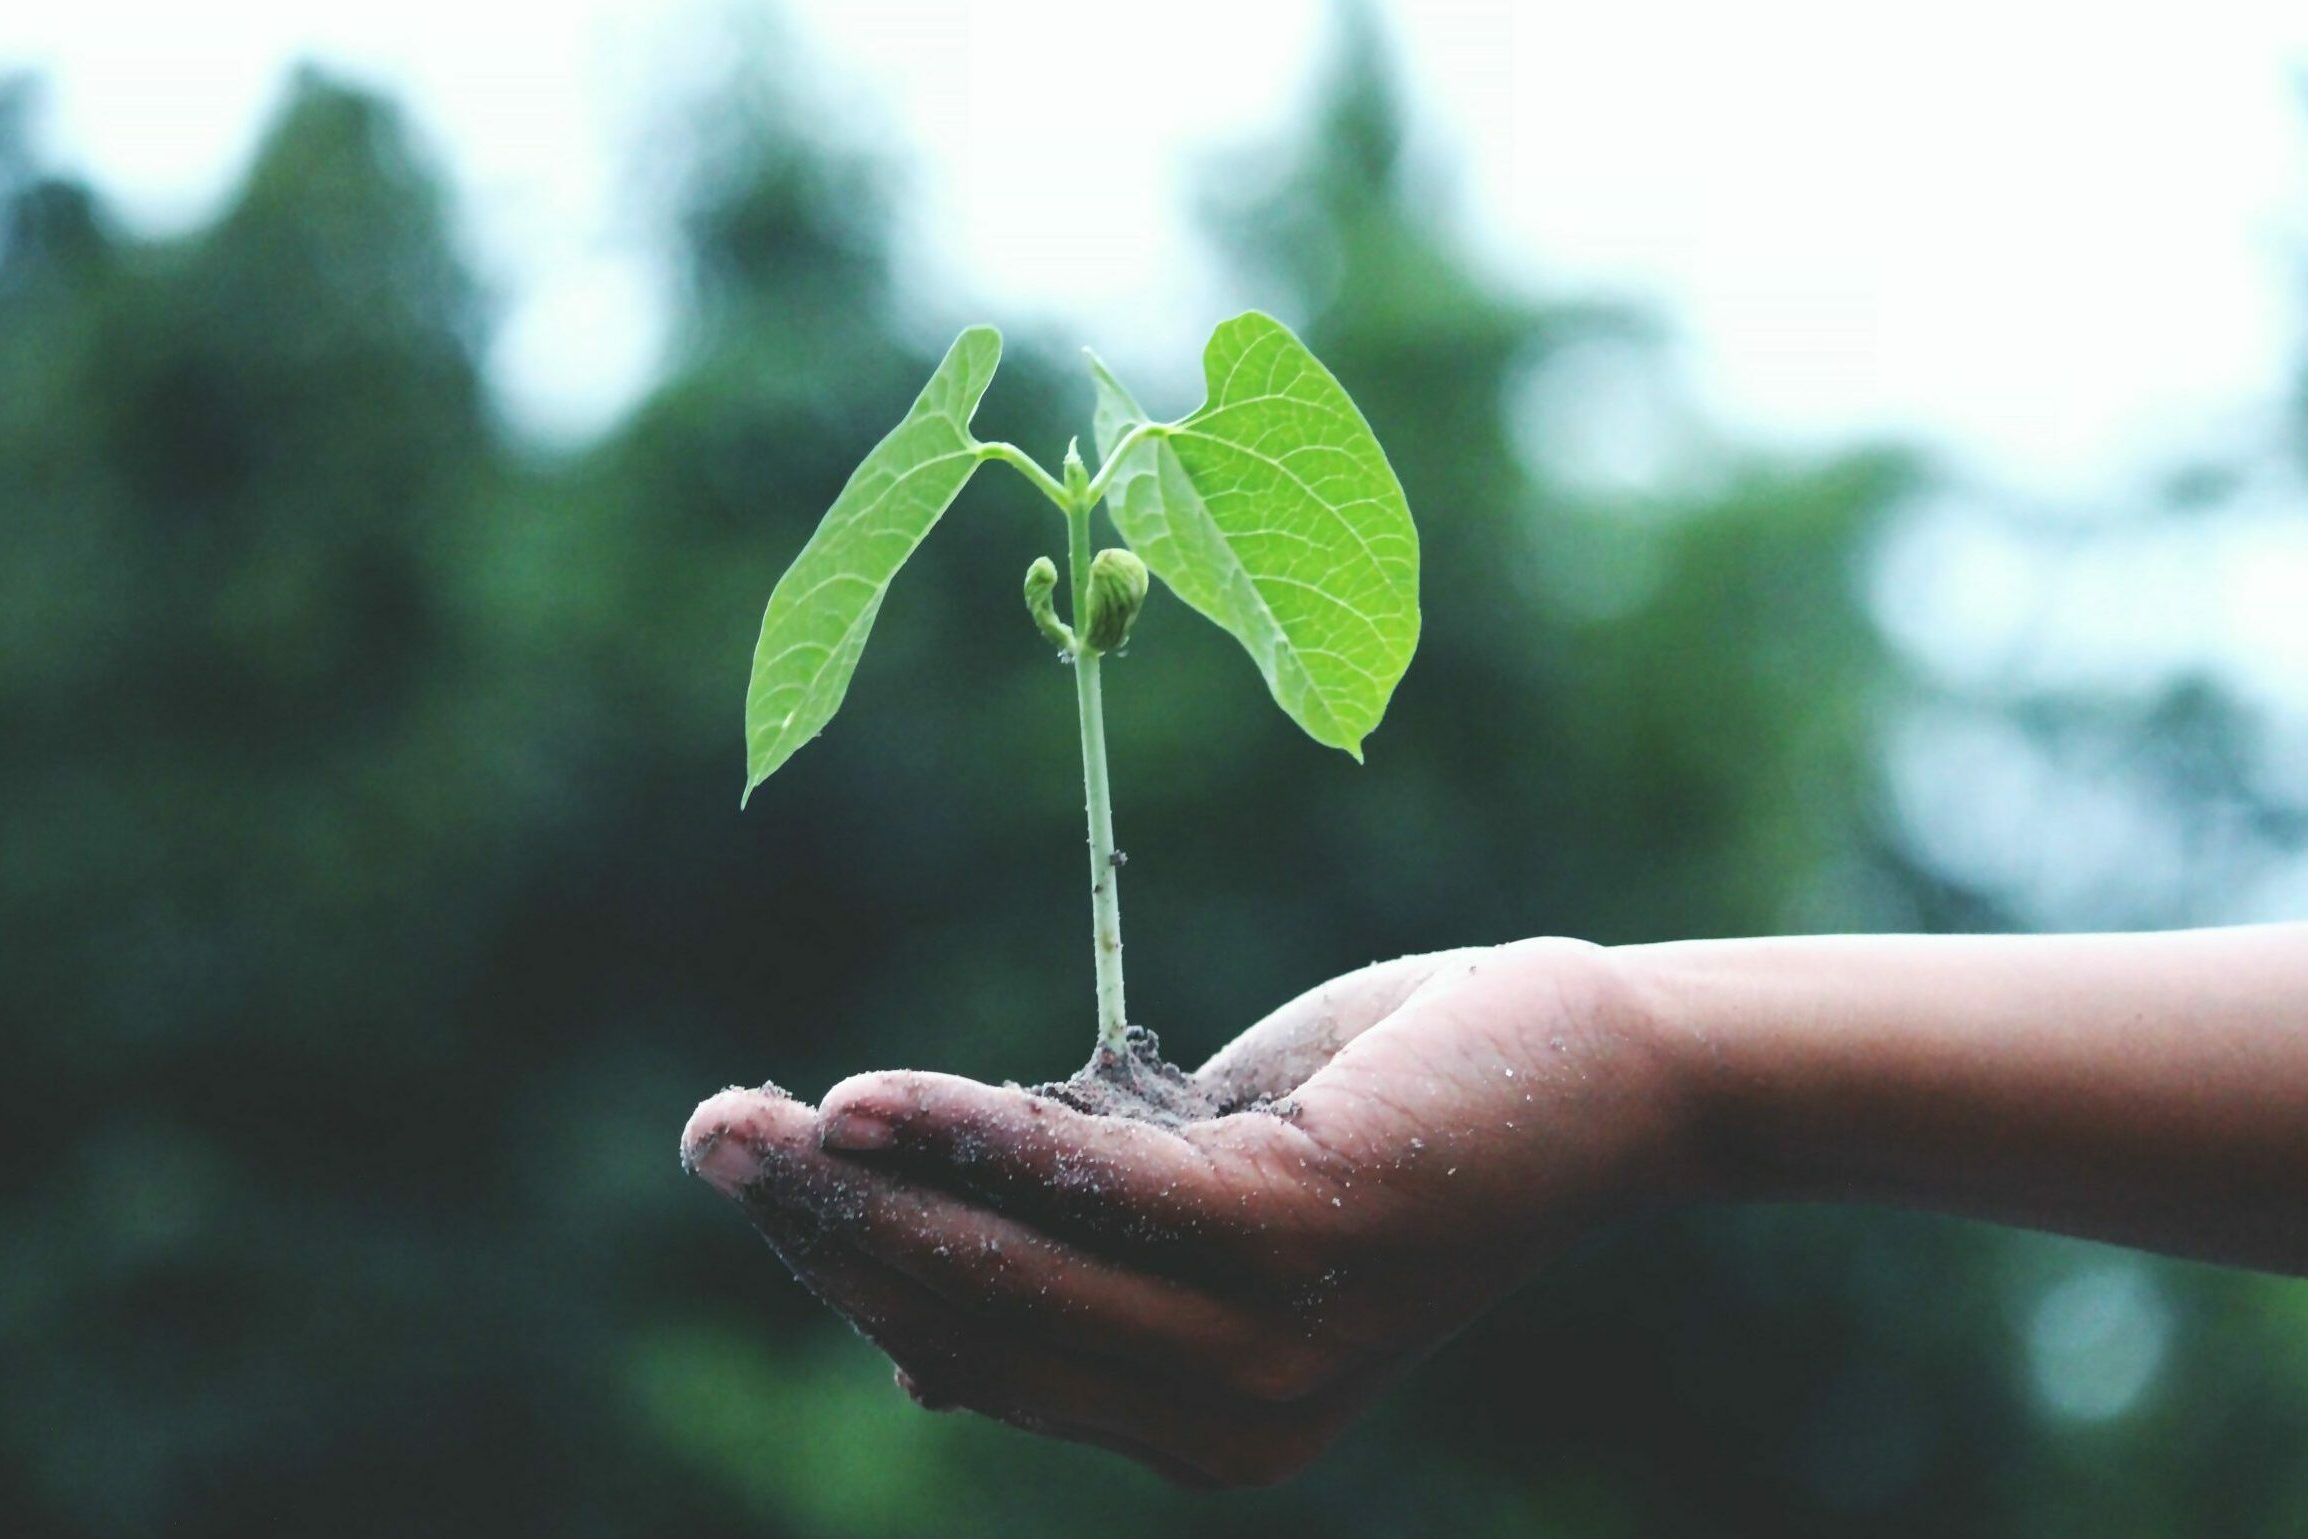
1860, 468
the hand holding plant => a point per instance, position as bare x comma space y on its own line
1219, 1300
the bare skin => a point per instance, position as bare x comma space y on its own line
1220, 1301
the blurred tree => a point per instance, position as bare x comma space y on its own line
375, 903
257, 813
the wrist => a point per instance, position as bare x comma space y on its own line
1673, 1003
1607, 1032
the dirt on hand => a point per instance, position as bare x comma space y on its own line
1142, 1085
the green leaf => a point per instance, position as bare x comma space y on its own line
825, 603
1273, 511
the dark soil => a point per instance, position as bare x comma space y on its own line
1145, 1087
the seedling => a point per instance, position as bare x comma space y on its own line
1271, 510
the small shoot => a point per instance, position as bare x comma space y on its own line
1271, 510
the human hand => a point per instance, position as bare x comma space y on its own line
1221, 1299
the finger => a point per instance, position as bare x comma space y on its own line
990, 1264
760, 1147
727, 1136
1155, 1459
942, 1353
1146, 1190
1282, 1051
749, 1144
1176, 1471
1196, 1440
952, 1357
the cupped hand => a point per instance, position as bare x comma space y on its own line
1219, 1300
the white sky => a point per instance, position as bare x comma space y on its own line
2062, 239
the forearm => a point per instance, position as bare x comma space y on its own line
2145, 1089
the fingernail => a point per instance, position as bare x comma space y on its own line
855, 1130
723, 1139
727, 1164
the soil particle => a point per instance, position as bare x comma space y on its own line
1137, 1083
1143, 1086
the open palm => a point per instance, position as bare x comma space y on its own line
1217, 1300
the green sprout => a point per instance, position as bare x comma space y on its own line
1271, 510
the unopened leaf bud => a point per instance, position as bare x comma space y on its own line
1077, 474
1041, 582
1117, 593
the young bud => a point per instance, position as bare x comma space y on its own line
1041, 582
1117, 593
1077, 473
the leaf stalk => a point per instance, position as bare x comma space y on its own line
1026, 465
1130, 440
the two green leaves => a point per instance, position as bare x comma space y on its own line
1271, 510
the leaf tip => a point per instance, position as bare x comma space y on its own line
983, 336
1251, 320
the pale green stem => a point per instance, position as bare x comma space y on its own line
1129, 441
1105, 872
1023, 463
1075, 502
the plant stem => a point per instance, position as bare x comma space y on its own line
1129, 441
1105, 873
1025, 464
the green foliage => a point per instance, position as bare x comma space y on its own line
1273, 511
371, 912
823, 608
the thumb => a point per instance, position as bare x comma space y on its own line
1293, 1043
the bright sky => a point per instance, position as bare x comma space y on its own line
2060, 238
